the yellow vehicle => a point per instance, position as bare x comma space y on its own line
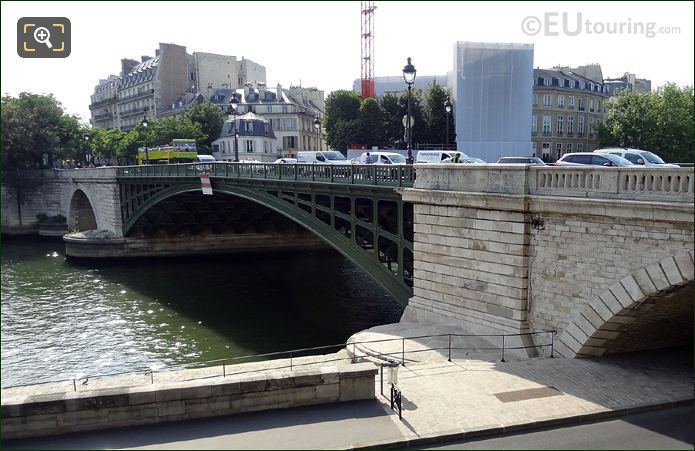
180, 151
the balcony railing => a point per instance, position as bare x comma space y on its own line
108, 101
99, 117
145, 93
133, 111
570, 133
581, 108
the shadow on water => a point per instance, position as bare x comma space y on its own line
262, 301
61, 319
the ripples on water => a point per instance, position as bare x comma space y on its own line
62, 320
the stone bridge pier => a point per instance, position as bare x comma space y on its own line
604, 256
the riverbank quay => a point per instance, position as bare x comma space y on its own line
441, 400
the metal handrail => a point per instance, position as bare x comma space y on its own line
351, 174
293, 353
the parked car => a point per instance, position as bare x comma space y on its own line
324, 157
593, 159
638, 156
436, 156
467, 160
381, 158
286, 160
521, 160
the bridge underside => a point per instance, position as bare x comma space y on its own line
370, 225
661, 321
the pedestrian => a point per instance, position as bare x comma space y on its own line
369, 159
456, 158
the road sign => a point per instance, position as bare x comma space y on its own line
205, 183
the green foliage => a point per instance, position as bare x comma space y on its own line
210, 118
660, 121
340, 119
436, 116
162, 132
32, 126
347, 120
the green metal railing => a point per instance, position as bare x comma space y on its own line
372, 175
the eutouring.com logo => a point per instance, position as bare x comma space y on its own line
574, 24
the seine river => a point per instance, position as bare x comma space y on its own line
62, 320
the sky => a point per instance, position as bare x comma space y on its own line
318, 43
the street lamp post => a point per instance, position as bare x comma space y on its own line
317, 126
409, 73
147, 154
234, 104
447, 108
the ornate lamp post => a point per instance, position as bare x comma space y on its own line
317, 126
233, 105
147, 154
409, 73
447, 107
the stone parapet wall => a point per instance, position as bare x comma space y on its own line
59, 413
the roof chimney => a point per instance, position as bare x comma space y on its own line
144, 58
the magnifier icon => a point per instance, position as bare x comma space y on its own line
43, 36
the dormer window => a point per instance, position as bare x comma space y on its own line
249, 128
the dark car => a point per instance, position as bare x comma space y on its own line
521, 160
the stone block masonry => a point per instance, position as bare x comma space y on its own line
58, 413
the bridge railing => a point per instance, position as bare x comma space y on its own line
396, 352
379, 175
638, 183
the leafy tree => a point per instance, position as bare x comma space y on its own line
341, 119
31, 130
210, 118
371, 123
660, 121
393, 115
436, 116
108, 143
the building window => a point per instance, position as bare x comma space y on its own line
560, 101
568, 148
291, 124
224, 147
249, 146
534, 124
547, 101
535, 100
591, 105
289, 142
560, 124
571, 101
558, 150
580, 147
598, 106
580, 125
249, 127
266, 146
570, 125
546, 82
546, 126
581, 104
546, 152
592, 128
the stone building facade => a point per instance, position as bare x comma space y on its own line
567, 108
160, 85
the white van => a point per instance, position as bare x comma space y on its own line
381, 158
323, 157
436, 156
206, 158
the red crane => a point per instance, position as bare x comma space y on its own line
368, 49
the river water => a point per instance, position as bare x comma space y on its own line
62, 320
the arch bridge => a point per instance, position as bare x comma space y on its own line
355, 209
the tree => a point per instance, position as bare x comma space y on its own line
436, 116
660, 121
341, 119
419, 127
31, 130
210, 118
371, 123
393, 115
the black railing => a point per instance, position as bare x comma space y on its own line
352, 174
395, 358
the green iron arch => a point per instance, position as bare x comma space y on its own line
335, 239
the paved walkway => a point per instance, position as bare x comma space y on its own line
441, 399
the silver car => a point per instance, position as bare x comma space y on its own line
592, 159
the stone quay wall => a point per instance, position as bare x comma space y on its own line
59, 413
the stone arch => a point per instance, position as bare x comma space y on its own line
607, 317
81, 214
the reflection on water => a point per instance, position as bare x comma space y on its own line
61, 319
